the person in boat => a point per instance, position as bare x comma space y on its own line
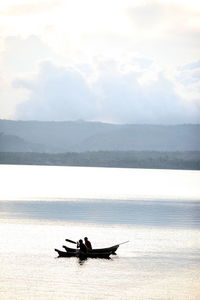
82, 246
88, 243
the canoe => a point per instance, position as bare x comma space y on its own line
111, 250
83, 255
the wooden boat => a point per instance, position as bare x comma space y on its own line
111, 250
93, 253
82, 255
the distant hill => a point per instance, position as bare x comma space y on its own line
12, 143
80, 136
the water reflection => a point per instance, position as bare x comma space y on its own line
139, 213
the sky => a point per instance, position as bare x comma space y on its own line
116, 61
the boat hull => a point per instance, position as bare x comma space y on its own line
83, 255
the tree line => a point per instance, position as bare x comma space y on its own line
185, 160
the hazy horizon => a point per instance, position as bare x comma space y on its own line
103, 122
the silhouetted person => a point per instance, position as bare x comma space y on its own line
82, 246
87, 243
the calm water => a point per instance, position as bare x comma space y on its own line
157, 211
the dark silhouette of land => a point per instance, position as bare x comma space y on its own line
99, 144
188, 160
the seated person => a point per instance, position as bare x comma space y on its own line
87, 243
82, 247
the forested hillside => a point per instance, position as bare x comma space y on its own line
120, 159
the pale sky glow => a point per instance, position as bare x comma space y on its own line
130, 54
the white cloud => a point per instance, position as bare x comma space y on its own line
21, 8
188, 82
79, 29
147, 41
166, 31
115, 95
10, 98
56, 93
124, 97
21, 55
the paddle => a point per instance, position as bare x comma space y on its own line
70, 241
123, 243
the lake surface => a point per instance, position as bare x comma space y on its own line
157, 211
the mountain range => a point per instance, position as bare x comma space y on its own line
81, 136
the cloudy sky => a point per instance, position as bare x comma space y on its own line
120, 61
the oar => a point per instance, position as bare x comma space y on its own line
123, 243
70, 241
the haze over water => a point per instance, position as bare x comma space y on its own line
33, 182
158, 211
